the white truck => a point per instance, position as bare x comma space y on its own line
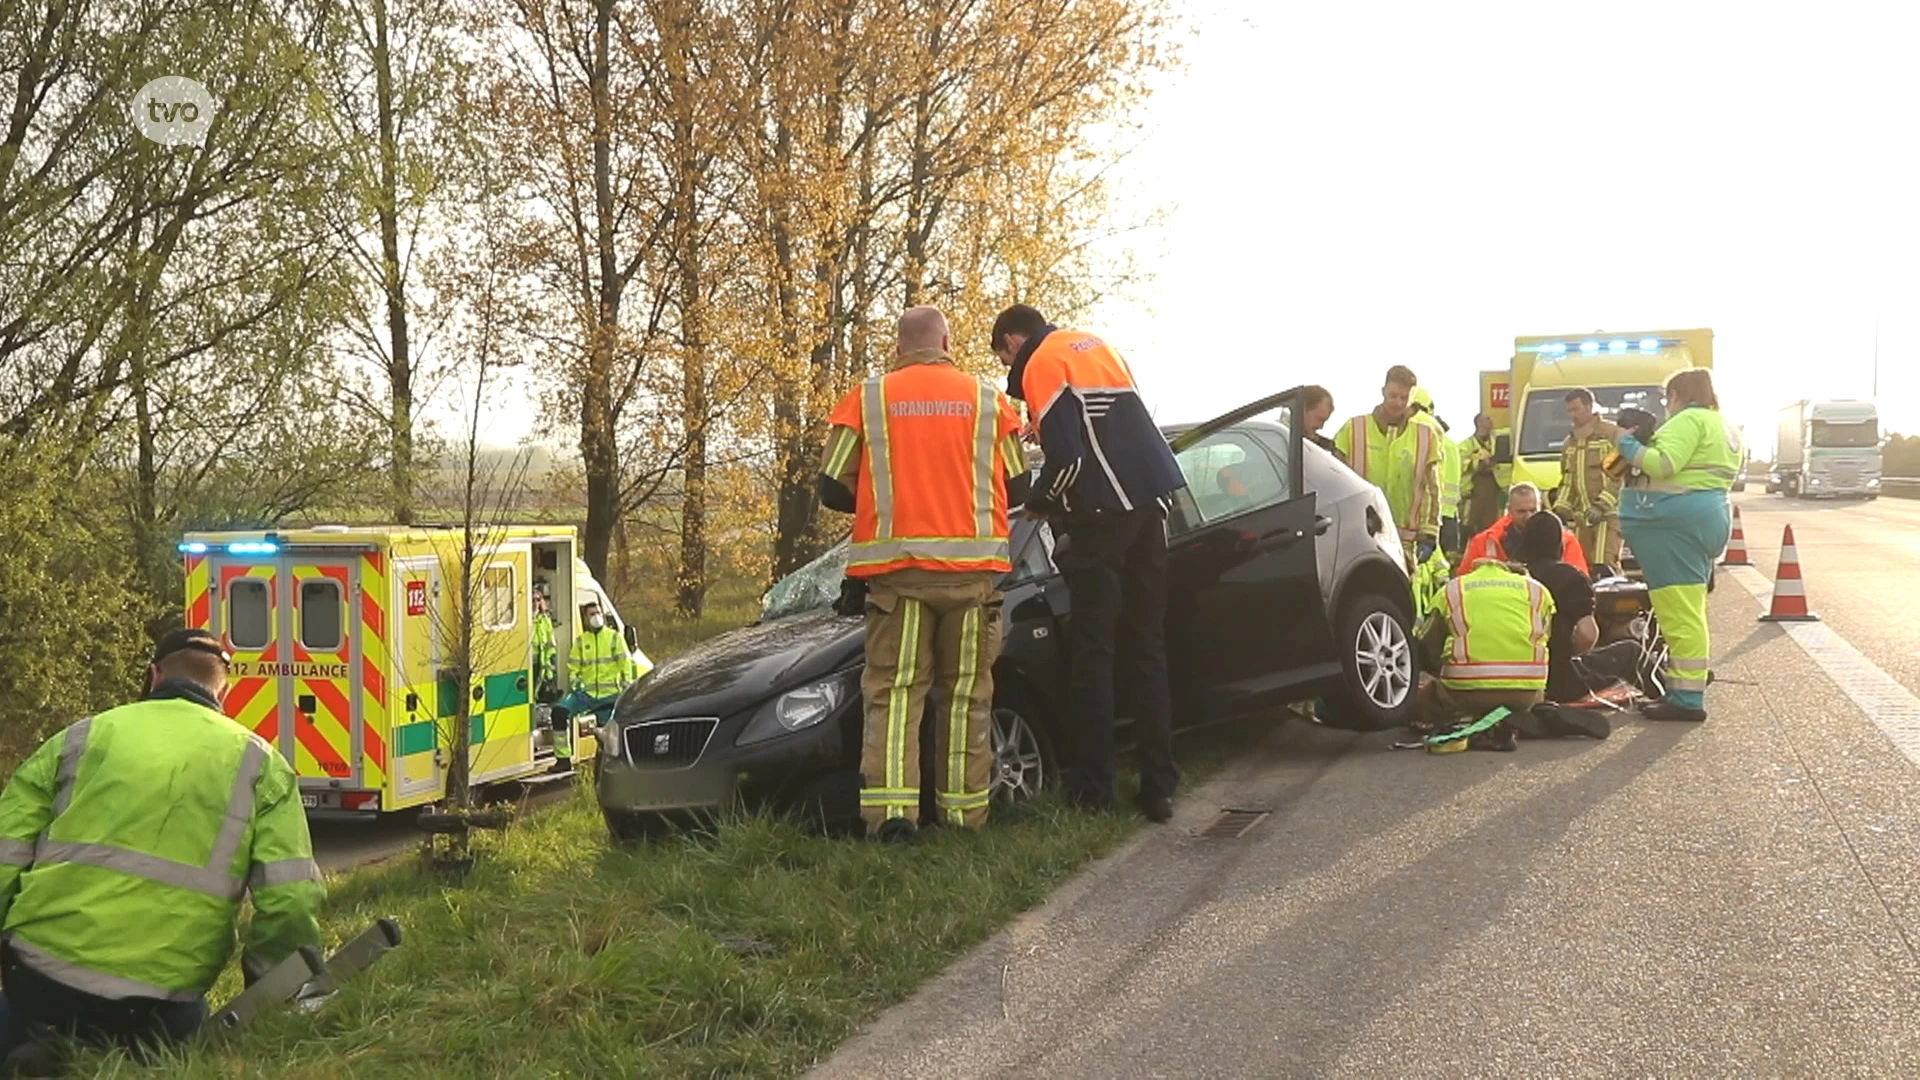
1827, 448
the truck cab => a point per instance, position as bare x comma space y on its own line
1827, 448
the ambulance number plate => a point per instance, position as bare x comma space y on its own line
310, 801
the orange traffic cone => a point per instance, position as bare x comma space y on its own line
1789, 592
1737, 545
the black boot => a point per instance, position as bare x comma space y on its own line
1667, 710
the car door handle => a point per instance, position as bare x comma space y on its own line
1273, 541
1321, 524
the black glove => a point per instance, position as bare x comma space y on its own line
853, 597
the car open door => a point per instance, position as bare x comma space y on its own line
1246, 621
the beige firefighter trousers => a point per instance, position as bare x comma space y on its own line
925, 629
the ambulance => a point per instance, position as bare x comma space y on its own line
1622, 369
343, 642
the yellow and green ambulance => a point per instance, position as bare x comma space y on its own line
343, 641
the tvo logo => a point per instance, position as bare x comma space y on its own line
173, 110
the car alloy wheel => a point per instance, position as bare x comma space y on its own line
1384, 660
1019, 768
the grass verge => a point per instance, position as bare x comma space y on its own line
750, 955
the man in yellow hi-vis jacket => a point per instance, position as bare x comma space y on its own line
126, 844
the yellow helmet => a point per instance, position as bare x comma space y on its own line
1421, 398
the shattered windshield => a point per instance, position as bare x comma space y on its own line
810, 588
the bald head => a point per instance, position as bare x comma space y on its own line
922, 328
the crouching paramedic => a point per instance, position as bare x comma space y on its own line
926, 458
126, 844
1489, 639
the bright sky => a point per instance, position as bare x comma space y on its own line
1359, 184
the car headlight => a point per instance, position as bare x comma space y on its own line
797, 710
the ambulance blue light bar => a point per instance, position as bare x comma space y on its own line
195, 548
1615, 346
252, 547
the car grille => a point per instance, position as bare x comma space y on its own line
668, 744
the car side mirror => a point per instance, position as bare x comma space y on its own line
632, 636
1503, 449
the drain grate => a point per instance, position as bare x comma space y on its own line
1233, 824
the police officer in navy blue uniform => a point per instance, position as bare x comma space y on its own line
1105, 488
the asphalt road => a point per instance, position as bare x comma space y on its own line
1733, 899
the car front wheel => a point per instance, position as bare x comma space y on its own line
1377, 666
1022, 757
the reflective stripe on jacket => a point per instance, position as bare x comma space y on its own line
1404, 463
1695, 450
1449, 472
932, 447
1498, 623
1584, 481
545, 652
128, 840
599, 664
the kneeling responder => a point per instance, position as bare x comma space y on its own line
1489, 642
926, 458
126, 844
1497, 541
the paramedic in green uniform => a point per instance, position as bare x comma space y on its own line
1676, 519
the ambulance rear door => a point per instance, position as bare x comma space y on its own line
296, 657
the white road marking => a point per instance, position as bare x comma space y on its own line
1891, 706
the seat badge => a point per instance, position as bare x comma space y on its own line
662, 743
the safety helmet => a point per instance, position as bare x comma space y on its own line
1421, 398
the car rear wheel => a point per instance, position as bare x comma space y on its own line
1022, 755
1376, 664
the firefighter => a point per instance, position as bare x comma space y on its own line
1589, 495
1482, 504
599, 664
927, 459
1677, 518
1397, 455
1488, 641
1105, 487
126, 844
1451, 541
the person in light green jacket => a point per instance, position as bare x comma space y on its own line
1677, 519
127, 842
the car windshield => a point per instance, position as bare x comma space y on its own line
817, 585
1852, 436
810, 588
1544, 424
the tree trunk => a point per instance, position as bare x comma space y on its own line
599, 449
400, 352
693, 372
